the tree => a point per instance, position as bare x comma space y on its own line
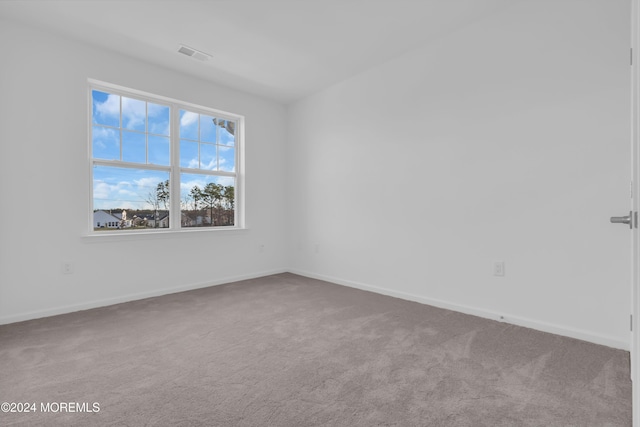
196, 196
152, 199
192, 201
216, 200
211, 198
163, 193
157, 198
228, 196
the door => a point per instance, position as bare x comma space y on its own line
635, 206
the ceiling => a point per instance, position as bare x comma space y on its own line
279, 49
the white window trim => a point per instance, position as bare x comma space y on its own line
174, 169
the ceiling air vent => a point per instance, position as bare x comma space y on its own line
189, 51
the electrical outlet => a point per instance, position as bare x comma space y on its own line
67, 268
498, 268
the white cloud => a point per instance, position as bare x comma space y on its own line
226, 181
113, 191
103, 133
146, 183
108, 196
155, 110
193, 164
188, 185
110, 107
188, 118
211, 165
101, 190
104, 137
133, 113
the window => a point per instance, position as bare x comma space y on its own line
158, 163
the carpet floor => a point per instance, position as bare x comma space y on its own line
285, 350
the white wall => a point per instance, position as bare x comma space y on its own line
44, 184
507, 140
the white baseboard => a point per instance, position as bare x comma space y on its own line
487, 314
130, 297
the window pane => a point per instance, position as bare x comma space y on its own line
188, 125
105, 143
227, 158
133, 147
207, 201
207, 129
106, 108
227, 132
129, 199
208, 159
189, 155
159, 151
133, 114
158, 119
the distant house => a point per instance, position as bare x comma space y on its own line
186, 221
197, 221
163, 222
103, 219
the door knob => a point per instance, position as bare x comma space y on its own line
623, 220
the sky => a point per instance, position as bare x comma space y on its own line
138, 133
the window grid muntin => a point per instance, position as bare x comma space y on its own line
217, 144
121, 128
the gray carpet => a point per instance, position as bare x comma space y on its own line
290, 351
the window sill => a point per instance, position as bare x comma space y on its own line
112, 236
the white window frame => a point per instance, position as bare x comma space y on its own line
174, 168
